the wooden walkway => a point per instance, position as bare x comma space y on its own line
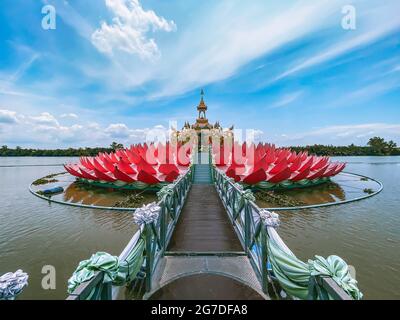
204, 225
206, 287
204, 258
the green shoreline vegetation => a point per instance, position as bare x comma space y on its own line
376, 147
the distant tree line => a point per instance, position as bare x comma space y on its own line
376, 147
70, 152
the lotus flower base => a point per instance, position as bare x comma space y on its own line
267, 167
287, 185
123, 186
139, 167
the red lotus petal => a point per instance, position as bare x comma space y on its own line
87, 163
279, 167
231, 173
145, 177
108, 164
307, 163
125, 167
255, 177
172, 176
183, 160
319, 163
340, 168
317, 174
168, 168
262, 164
297, 176
108, 158
104, 176
119, 153
98, 166
270, 156
133, 156
122, 176
330, 171
113, 157
292, 157
144, 166
304, 156
280, 176
296, 164
87, 175
283, 155
73, 172
150, 156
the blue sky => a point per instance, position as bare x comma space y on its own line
114, 69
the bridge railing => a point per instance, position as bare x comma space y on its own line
253, 233
157, 235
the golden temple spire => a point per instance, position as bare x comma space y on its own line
202, 106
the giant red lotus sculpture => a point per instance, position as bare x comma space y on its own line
267, 167
137, 167
262, 166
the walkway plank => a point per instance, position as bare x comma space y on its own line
206, 287
204, 225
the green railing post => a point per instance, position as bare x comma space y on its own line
106, 291
312, 292
264, 257
247, 240
234, 204
163, 223
149, 269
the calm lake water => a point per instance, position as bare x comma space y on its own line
366, 234
34, 233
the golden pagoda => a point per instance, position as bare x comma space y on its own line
202, 121
202, 129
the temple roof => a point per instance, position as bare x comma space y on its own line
202, 105
202, 121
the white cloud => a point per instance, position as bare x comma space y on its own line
129, 30
236, 35
378, 30
343, 134
69, 115
118, 130
366, 93
45, 119
122, 131
24, 67
44, 130
8, 117
287, 99
258, 135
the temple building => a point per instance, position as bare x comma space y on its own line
202, 130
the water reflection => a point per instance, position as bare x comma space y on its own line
343, 187
83, 194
